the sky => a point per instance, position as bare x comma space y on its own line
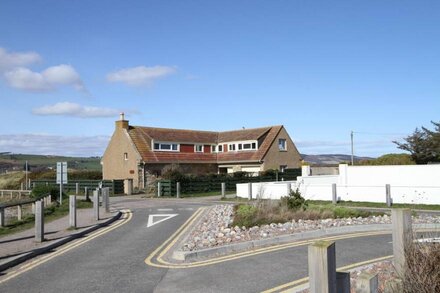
320, 68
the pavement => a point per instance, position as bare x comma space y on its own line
19, 247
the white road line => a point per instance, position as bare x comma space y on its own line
185, 209
152, 222
165, 210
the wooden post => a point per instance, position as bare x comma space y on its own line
96, 204
322, 267
388, 195
223, 190
39, 221
402, 237
178, 189
72, 211
2, 217
19, 212
334, 194
367, 283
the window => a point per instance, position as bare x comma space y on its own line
198, 148
231, 147
282, 144
126, 156
213, 149
171, 147
283, 168
240, 146
220, 148
248, 146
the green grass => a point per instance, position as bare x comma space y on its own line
211, 193
11, 180
50, 214
376, 205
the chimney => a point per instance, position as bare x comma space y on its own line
121, 123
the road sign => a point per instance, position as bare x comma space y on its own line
61, 172
152, 221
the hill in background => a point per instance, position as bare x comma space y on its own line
16, 162
331, 159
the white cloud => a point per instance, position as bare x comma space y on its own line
10, 60
44, 144
75, 110
141, 75
48, 80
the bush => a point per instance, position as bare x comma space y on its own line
294, 201
42, 190
245, 215
173, 172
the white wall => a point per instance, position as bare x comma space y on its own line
409, 184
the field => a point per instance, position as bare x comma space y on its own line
11, 180
17, 162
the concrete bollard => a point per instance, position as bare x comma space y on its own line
96, 204
322, 267
19, 212
223, 190
33, 208
72, 211
334, 194
106, 199
343, 282
388, 195
2, 217
39, 221
250, 191
49, 200
367, 283
159, 189
402, 237
77, 188
21, 186
178, 189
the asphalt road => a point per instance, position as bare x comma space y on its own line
114, 262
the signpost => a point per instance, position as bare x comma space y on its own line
61, 177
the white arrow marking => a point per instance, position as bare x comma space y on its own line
165, 217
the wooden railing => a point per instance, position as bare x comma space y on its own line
47, 199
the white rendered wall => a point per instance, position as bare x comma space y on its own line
419, 184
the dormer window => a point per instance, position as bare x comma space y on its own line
162, 146
231, 147
198, 148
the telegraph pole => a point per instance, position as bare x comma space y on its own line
352, 149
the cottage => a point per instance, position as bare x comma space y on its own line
136, 151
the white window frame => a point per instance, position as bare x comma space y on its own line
220, 146
232, 147
199, 151
160, 149
213, 148
125, 156
285, 144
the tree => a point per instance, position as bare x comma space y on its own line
423, 144
390, 159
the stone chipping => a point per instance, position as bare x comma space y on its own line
215, 227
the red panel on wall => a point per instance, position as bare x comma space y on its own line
207, 148
187, 148
225, 147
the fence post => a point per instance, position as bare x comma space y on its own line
39, 221
49, 200
402, 237
19, 212
343, 282
21, 186
388, 195
322, 267
223, 190
159, 189
106, 199
77, 188
72, 211
96, 204
178, 189
2, 217
289, 188
86, 193
250, 190
367, 283
334, 194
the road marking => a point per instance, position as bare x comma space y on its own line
301, 282
165, 210
126, 217
165, 217
185, 209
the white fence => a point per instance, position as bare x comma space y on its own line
418, 184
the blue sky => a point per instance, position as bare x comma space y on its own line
320, 68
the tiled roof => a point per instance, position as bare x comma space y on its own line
142, 136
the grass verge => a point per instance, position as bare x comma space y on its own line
375, 205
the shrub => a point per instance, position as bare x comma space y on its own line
244, 215
294, 201
42, 190
173, 172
